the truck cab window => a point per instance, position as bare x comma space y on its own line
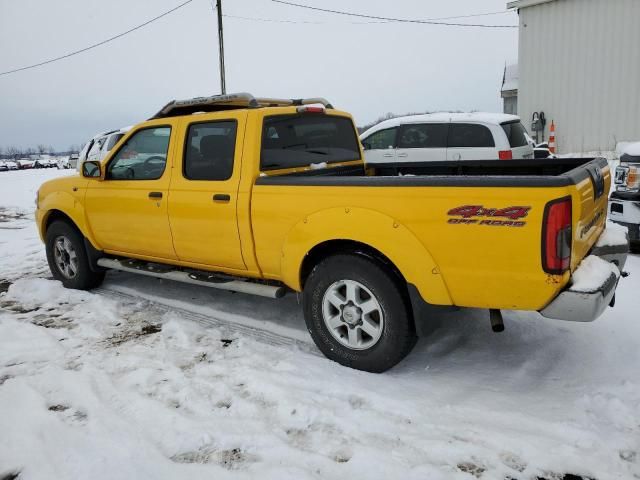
301, 140
209, 150
142, 157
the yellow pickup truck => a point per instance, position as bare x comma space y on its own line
267, 196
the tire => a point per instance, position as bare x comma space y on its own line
366, 335
67, 257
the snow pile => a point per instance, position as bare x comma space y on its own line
592, 273
614, 234
318, 166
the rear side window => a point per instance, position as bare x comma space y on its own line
469, 135
300, 140
425, 135
209, 150
381, 140
516, 133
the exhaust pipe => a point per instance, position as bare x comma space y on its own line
495, 316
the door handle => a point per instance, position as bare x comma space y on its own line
388, 155
222, 197
403, 155
155, 195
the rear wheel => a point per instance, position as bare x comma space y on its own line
356, 313
67, 257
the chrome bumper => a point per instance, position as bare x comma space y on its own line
578, 306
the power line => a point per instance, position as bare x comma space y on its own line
305, 22
311, 22
400, 20
76, 52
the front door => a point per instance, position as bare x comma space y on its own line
127, 211
204, 191
379, 147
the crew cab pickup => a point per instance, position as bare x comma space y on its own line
267, 196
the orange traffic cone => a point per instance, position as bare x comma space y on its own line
552, 138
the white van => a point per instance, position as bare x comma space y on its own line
447, 136
98, 147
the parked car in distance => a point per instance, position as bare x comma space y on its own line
265, 196
44, 163
3, 166
447, 136
98, 147
25, 163
72, 161
11, 164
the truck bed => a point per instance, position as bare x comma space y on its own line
481, 240
557, 172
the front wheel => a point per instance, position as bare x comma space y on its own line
67, 257
356, 313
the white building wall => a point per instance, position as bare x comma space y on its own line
579, 62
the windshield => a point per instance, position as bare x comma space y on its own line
301, 140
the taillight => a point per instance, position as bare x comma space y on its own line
505, 155
633, 179
310, 109
557, 236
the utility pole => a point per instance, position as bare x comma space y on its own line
223, 87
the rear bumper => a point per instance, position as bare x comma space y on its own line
582, 306
586, 306
626, 212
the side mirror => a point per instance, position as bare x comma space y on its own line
91, 169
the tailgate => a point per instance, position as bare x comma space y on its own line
589, 204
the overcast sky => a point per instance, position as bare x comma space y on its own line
365, 68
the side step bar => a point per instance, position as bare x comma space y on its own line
204, 279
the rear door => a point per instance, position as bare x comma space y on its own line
379, 147
422, 142
518, 139
470, 141
204, 190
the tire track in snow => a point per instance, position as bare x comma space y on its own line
229, 328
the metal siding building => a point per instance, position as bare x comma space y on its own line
579, 62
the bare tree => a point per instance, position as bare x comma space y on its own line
14, 152
1, 151
42, 148
30, 151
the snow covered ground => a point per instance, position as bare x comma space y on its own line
149, 380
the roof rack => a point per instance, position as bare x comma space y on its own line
229, 102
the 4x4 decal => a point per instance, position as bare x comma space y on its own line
492, 216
